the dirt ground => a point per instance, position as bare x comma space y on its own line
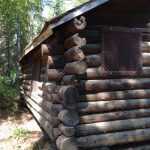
21, 132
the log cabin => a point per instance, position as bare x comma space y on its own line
86, 77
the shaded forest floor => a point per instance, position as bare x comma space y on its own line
21, 132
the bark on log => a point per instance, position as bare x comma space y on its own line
114, 138
75, 26
145, 46
47, 105
53, 120
118, 115
141, 147
146, 59
69, 117
116, 95
98, 73
66, 95
78, 67
107, 106
54, 74
114, 84
93, 60
74, 40
66, 130
69, 96
112, 126
53, 133
66, 143
74, 54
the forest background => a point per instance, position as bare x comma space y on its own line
20, 22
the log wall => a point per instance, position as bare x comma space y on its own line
77, 103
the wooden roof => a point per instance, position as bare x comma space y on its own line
110, 7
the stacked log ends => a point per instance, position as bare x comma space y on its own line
74, 54
66, 143
77, 67
75, 26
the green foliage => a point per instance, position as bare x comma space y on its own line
8, 94
20, 133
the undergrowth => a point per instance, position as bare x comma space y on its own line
9, 93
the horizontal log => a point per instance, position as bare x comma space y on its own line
45, 124
53, 120
74, 54
114, 84
75, 26
27, 70
66, 130
112, 126
54, 74
77, 67
116, 95
136, 147
145, 46
48, 106
97, 73
74, 40
107, 106
114, 138
93, 60
146, 59
69, 117
118, 115
66, 143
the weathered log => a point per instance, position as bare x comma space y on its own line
146, 59
116, 95
53, 75
69, 117
44, 50
74, 40
74, 54
75, 26
66, 95
69, 96
53, 133
47, 105
91, 48
93, 60
78, 67
145, 46
112, 126
118, 115
114, 138
107, 106
69, 80
136, 147
66, 143
53, 120
67, 130
115, 84
97, 73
